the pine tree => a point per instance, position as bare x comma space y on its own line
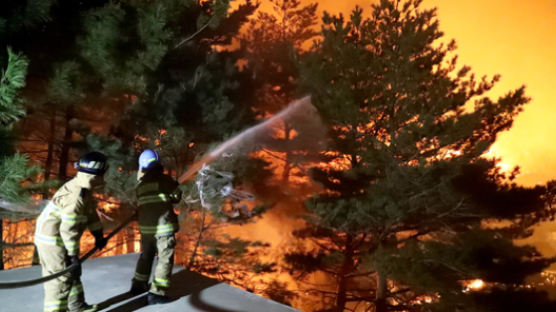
12, 79
409, 183
14, 167
18, 16
156, 59
60, 84
128, 56
16, 19
180, 96
54, 83
271, 44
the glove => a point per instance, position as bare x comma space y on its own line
100, 241
175, 197
76, 273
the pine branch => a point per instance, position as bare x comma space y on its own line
195, 33
14, 170
12, 79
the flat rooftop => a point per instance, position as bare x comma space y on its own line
107, 280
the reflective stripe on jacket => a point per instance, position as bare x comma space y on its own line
155, 195
62, 222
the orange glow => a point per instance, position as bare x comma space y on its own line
278, 164
139, 138
503, 166
131, 97
512, 38
473, 285
476, 284
340, 162
424, 299
508, 37
281, 134
17, 232
107, 203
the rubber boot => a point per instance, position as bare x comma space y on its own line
157, 299
138, 288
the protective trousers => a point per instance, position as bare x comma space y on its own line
64, 293
150, 246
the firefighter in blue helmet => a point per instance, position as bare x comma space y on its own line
58, 232
156, 193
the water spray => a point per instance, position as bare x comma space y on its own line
31, 208
212, 184
298, 112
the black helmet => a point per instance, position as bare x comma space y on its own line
93, 163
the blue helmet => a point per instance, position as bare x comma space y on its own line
148, 159
93, 163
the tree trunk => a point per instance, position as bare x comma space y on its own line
66, 145
347, 267
119, 241
47, 170
287, 165
198, 242
381, 292
49, 156
130, 239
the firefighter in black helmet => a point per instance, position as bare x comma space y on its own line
58, 232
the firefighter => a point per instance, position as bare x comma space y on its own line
156, 192
58, 232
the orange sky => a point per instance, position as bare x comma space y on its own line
516, 39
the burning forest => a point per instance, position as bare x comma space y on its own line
329, 162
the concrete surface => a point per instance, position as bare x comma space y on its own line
107, 280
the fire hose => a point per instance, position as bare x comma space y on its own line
223, 179
70, 268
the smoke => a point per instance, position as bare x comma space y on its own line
215, 186
288, 142
30, 208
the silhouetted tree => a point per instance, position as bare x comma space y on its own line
271, 45
14, 167
180, 94
410, 203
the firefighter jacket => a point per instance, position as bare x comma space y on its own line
71, 210
156, 192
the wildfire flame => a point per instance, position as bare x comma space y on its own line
108, 204
474, 285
